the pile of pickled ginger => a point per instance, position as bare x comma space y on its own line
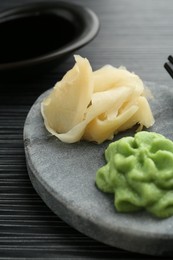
95, 105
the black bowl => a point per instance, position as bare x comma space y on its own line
38, 36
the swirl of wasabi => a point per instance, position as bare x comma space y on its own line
139, 171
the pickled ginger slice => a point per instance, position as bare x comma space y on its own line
100, 130
66, 105
143, 115
108, 77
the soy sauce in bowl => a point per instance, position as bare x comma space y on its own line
38, 36
33, 36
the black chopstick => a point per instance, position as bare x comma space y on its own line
169, 65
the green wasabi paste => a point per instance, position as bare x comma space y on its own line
139, 171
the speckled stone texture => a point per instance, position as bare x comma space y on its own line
64, 177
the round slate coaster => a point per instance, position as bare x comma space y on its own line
64, 176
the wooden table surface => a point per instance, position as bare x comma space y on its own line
134, 33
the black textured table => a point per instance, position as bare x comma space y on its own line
136, 34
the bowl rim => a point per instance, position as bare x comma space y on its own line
90, 30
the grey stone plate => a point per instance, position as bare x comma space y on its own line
64, 177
